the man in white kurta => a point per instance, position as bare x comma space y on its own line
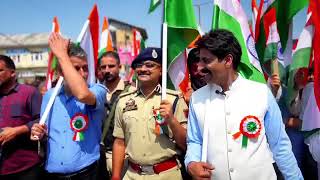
216, 112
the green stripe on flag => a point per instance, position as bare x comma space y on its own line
286, 9
301, 58
271, 52
182, 28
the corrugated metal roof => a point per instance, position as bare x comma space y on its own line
23, 40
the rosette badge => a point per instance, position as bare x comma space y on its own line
250, 128
79, 123
160, 123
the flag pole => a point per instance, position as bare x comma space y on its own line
50, 102
164, 61
164, 55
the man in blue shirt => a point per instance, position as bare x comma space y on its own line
235, 130
74, 123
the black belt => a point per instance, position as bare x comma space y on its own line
77, 173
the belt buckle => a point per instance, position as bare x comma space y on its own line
147, 170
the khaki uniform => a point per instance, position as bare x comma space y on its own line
119, 89
135, 123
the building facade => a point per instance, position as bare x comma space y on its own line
30, 52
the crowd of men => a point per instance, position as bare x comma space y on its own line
223, 127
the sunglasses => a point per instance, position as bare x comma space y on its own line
84, 68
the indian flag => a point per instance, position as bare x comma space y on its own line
52, 61
89, 41
105, 39
228, 14
182, 30
286, 10
138, 44
268, 44
301, 55
153, 5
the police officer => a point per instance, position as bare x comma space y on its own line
150, 130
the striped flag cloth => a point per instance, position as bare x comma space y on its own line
52, 61
89, 41
302, 54
105, 39
229, 14
182, 31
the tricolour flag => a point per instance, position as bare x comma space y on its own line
302, 55
268, 43
89, 41
153, 5
285, 11
105, 39
52, 61
228, 14
182, 30
138, 44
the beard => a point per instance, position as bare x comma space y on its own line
109, 77
197, 82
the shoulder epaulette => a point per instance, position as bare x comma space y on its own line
126, 94
174, 93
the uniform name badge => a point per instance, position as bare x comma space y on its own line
250, 128
160, 123
79, 123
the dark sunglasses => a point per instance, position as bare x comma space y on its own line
84, 68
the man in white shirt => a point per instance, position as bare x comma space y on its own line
235, 126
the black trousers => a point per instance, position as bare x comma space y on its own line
88, 173
34, 173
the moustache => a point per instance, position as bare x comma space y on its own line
205, 71
143, 73
108, 75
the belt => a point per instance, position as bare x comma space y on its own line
156, 168
77, 173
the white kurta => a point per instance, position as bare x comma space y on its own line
222, 115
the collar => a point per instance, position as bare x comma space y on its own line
157, 90
120, 87
234, 85
14, 88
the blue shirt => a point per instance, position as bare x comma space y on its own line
63, 154
277, 138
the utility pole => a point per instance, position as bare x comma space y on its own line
198, 6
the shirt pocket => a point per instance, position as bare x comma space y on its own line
130, 121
